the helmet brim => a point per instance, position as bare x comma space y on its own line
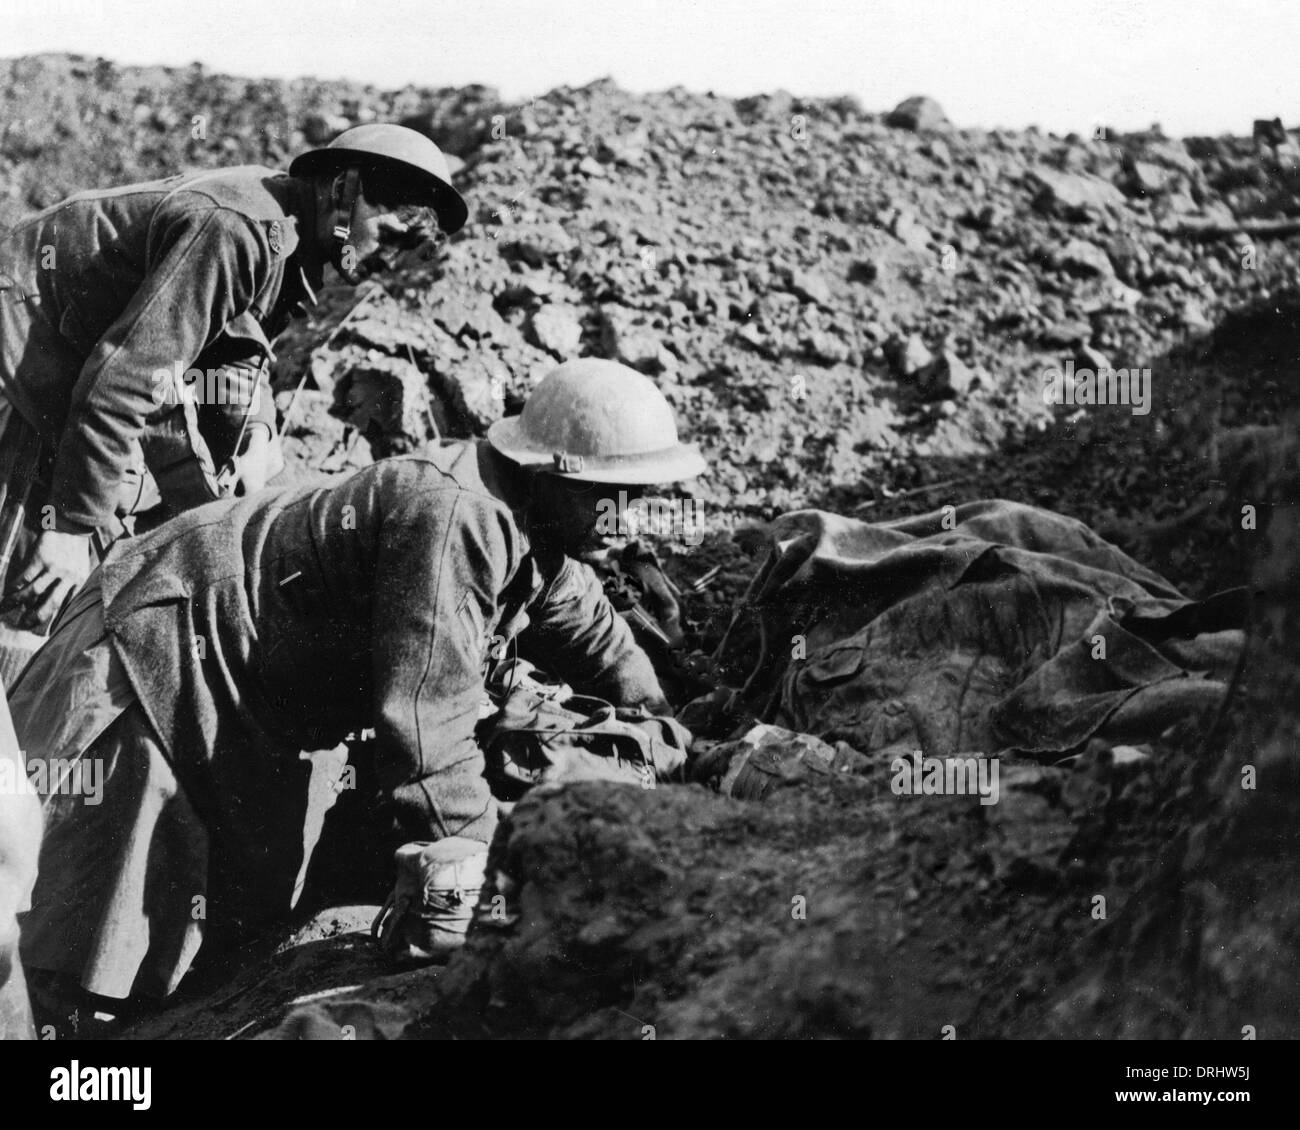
447, 203
674, 465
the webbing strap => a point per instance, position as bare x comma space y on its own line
351, 191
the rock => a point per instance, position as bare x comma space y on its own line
604, 896
809, 287
389, 331
471, 315
1129, 256
826, 348
1032, 830
752, 336
1079, 257
1066, 333
539, 244
1091, 359
988, 217
1172, 155
875, 428
323, 368
863, 271
917, 113
1111, 297
629, 150
947, 375
341, 1020
314, 439
699, 298
1177, 204
556, 329
1269, 131
165, 117
625, 337
526, 290
938, 152
387, 400
907, 356
321, 129
459, 121
1164, 274
907, 229
652, 232
473, 394
1146, 179
1073, 196
1192, 315
759, 107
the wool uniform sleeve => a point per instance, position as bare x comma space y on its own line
442, 562
245, 390
207, 267
575, 633
236, 388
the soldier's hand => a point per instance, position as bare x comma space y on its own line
58, 565
260, 462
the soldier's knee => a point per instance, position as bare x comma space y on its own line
20, 829
20, 845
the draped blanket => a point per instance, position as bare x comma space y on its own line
992, 626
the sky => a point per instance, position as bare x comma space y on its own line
1194, 66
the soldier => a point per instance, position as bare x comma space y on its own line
105, 296
20, 837
201, 657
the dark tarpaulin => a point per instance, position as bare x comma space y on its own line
991, 626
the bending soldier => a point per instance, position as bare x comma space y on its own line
200, 658
108, 297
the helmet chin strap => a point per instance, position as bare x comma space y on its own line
348, 202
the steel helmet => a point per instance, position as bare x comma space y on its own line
598, 421
408, 152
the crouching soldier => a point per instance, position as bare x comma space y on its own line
200, 658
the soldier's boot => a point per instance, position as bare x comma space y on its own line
15, 1012
427, 916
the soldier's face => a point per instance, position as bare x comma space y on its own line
584, 519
